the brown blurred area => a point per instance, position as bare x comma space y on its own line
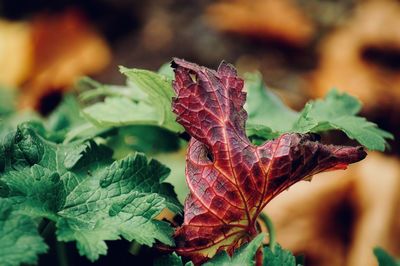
302, 47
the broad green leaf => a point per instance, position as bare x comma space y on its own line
20, 241
37, 190
384, 258
117, 111
91, 198
243, 256
279, 257
129, 217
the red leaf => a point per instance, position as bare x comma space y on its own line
230, 179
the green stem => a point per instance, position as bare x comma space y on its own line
135, 248
61, 254
271, 230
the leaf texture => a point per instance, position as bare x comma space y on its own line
20, 241
91, 198
230, 179
146, 100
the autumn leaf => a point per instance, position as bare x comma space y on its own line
230, 179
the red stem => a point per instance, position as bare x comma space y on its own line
259, 257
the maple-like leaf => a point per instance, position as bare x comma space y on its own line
230, 179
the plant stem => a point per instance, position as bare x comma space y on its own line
271, 230
61, 254
135, 247
259, 257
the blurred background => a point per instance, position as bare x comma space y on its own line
302, 47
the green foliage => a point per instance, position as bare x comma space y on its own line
265, 108
279, 257
269, 117
166, 70
90, 198
64, 118
82, 170
20, 241
384, 258
149, 102
245, 255
147, 139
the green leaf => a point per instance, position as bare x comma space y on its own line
242, 256
384, 258
148, 102
90, 198
279, 257
130, 217
338, 111
64, 118
20, 241
92, 90
159, 90
147, 139
265, 108
259, 133
38, 191
166, 70
117, 111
